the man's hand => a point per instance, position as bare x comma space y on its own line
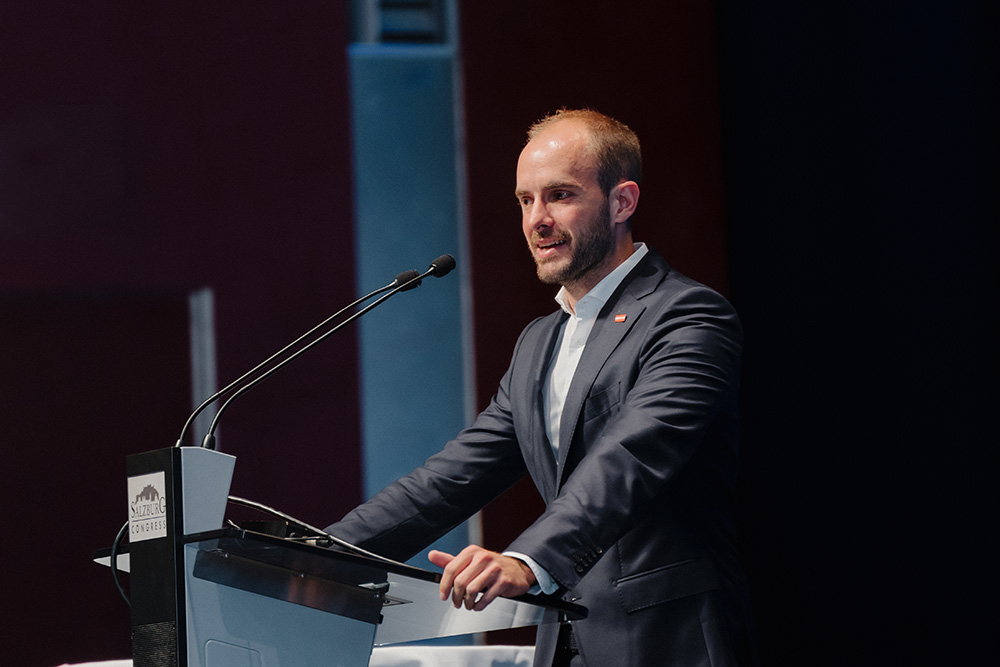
476, 576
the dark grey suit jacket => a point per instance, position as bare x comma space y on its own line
638, 525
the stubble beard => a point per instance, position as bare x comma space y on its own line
592, 246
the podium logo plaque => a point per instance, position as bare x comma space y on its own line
147, 510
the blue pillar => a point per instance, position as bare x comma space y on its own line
408, 170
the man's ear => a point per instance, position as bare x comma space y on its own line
623, 200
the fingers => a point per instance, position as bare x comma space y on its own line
487, 594
481, 589
476, 577
463, 576
443, 560
439, 558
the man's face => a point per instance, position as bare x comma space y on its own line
564, 215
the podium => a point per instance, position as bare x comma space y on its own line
207, 596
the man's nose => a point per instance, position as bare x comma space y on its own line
537, 217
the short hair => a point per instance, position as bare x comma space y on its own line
615, 146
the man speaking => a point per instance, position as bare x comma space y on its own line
621, 406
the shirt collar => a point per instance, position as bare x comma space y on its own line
602, 291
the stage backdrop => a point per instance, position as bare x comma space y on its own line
147, 151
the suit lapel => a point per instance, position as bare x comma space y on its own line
613, 324
539, 449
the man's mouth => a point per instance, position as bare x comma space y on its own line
546, 247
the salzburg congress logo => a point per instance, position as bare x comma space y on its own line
147, 511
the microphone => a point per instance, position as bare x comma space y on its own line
438, 268
406, 280
442, 266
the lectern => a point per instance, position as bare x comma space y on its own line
207, 596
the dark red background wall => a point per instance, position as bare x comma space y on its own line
150, 149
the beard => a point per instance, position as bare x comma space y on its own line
592, 246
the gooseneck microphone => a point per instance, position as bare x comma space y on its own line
405, 281
441, 266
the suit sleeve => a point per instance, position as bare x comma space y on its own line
470, 471
685, 370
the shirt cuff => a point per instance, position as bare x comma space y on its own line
544, 581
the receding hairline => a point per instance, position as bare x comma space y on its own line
612, 144
593, 120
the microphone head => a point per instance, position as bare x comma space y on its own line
442, 266
404, 278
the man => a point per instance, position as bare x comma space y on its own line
622, 408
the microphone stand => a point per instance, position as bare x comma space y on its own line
405, 280
438, 268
